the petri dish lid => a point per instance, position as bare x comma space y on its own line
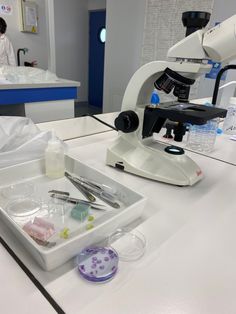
98, 264
14, 192
129, 244
23, 207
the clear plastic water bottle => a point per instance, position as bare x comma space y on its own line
202, 137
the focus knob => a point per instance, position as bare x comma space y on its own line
127, 121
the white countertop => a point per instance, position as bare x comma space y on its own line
189, 265
58, 83
79, 127
18, 293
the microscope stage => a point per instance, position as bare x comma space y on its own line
188, 112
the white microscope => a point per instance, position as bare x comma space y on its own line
135, 151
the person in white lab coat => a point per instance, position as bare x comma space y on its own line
7, 56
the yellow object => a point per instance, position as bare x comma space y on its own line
65, 233
89, 226
90, 218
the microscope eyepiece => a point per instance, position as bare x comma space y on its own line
195, 20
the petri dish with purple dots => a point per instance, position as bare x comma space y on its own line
98, 264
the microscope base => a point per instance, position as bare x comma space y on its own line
150, 160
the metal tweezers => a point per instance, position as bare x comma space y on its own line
90, 189
81, 188
78, 201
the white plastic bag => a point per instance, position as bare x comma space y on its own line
20, 141
27, 75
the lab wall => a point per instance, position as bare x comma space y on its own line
124, 23
71, 42
139, 32
36, 43
96, 5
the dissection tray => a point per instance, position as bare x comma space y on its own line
66, 236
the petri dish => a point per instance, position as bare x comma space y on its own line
129, 244
98, 264
14, 192
23, 207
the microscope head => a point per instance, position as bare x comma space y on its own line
217, 43
171, 80
199, 45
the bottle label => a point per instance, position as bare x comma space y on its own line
230, 121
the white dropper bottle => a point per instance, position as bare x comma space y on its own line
54, 158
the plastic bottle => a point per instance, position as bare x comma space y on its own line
155, 99
202, 137
54, 158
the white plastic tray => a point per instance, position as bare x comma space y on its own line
105, 222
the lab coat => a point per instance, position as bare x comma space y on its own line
7, 56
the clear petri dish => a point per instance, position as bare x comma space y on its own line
98, 264
129, 244
23, 207
14, 192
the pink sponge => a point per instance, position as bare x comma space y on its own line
39, 229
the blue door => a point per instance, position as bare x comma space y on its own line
97, 24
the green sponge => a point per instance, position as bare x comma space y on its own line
80, 212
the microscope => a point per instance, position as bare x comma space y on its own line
134, 150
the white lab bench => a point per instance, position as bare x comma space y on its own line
42, 101
18, 293
189, 264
